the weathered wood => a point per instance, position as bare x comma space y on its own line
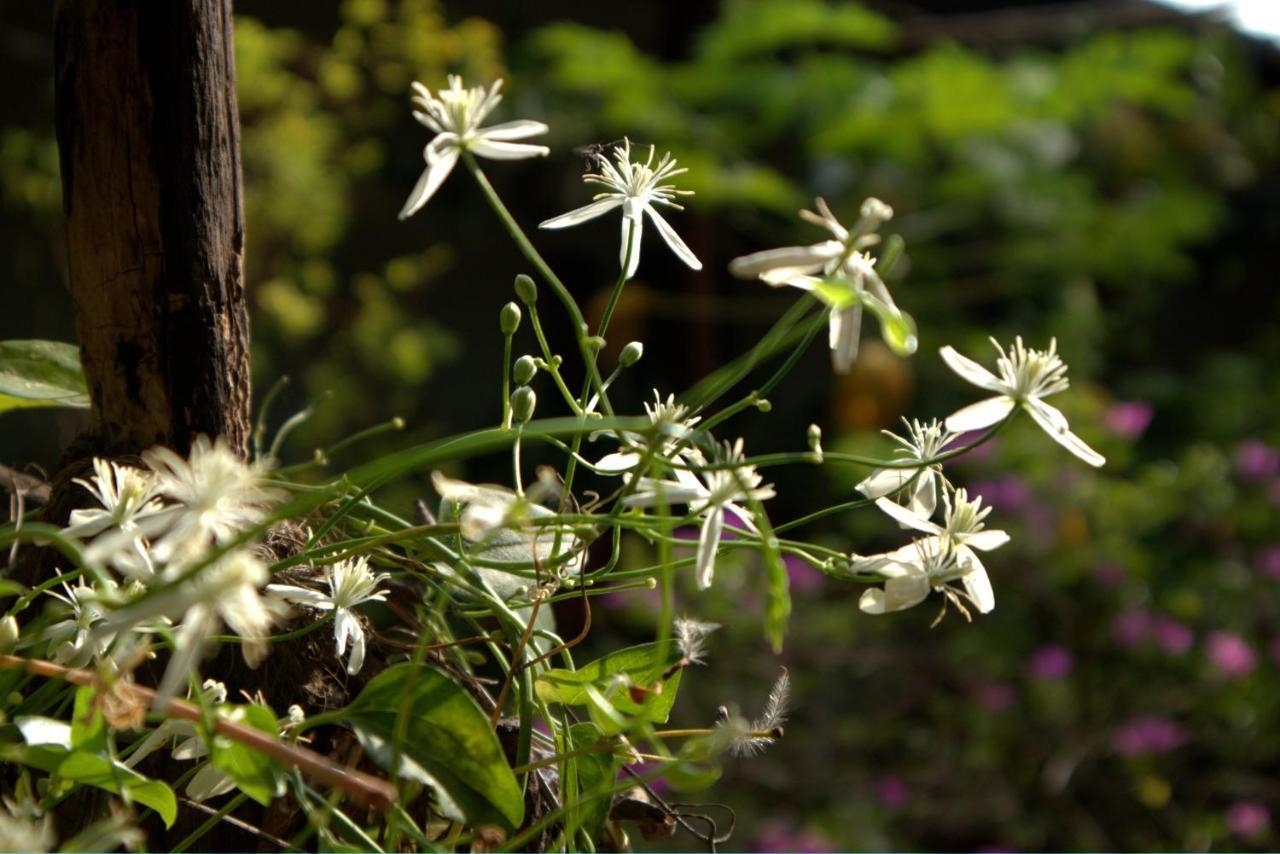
148, 136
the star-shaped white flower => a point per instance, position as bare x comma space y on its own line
455, 115
672, 424
710, 494
351, 583
933, 562
636, 188
1025, 377
923, 442
125, 496
840, 274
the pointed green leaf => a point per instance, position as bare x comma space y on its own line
100, 772
642, 664
447, 734
88, 731
251, 770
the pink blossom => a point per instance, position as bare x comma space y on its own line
1109, 574
994, 696
1172, 636
1268, 562
1128, 419
1256, 460
802, 575
1248, 819
1132, 627
1230, 654
1148, 735
892, 791
1051, 662
777, 836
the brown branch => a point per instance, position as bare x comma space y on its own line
364, 789
33, 490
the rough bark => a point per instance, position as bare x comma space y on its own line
148, 136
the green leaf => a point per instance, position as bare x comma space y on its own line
588, 775
251, 770
448, 735
100, 772
88, 731
379, 750
41, 373
641, 663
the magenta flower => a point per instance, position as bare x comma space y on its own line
1148, 735
1051, 662
1109, 574
1230, 654
1171, 636
1268, 562
1132, 627
892, 791
777, 836
1248, 819
1256, 460
802, 575
1128, 419
994, 696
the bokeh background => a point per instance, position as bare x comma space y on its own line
1106, 172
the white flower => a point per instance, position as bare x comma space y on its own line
24, 828
455, 115
1026, 376
224, 592
77, 642
636, 188
933, 562
837, 272
710, 494
672, 424
125, 495
923, 442
351, 583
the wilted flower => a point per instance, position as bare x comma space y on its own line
712, 496
691, 638
351, 583
636, 188
923, 442
1026, 376
837, 272
747, 738
455, 115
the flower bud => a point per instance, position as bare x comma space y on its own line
763, 405
631, 354
8, 634
877, 210
509, 318
815, 440
523, 401
526, 289
525, 369
595, 343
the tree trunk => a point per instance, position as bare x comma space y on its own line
148, 137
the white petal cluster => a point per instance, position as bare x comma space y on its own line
636, 187
351, 583
672, 426
709, 493
455, 114
923, 442
841, 274
933, 562
1026, 376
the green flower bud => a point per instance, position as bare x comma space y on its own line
631, 354
8, 634
509, 318
763, 405
595, 343
815, 440
525, 369
523, 401
526, 289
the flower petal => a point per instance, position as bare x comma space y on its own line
582, 214
970, 370
708, 542
496, 149
899, 593
924, 499
907, 518
1054, 423
356, 661
986, 540
882, 482
518, 129
618, 462
683, 252
845, 328
629, 255
433, 176
982, 414
794, 259
976, 582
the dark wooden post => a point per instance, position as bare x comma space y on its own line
148, 136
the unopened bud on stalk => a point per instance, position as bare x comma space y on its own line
525, 369
763, 405
815, 440
8, 634
509, 318
595, 343
526, 289
631, 354
523, 401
